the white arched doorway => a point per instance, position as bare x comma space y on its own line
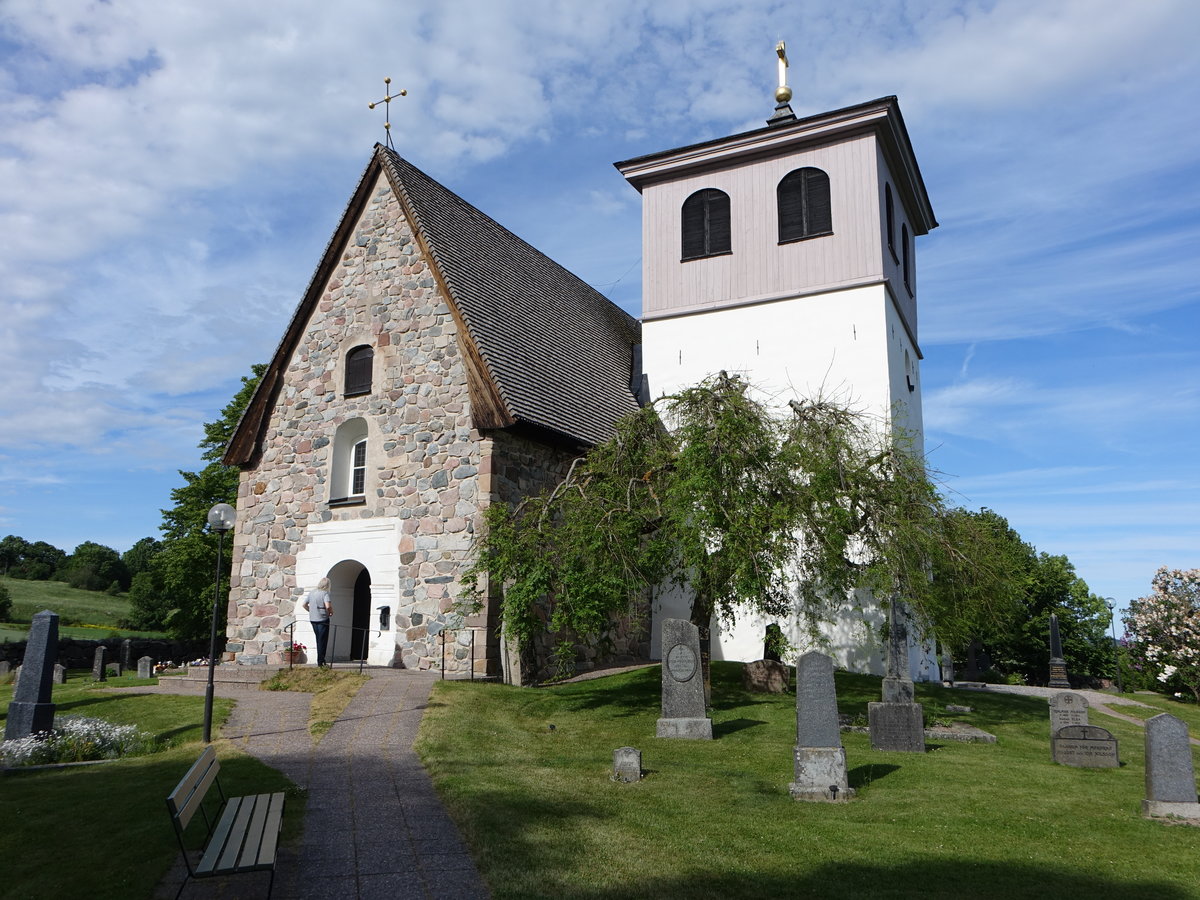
350, 632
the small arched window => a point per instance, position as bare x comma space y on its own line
706, 229
348, 478
891, 218
904, 257
358, 370
804, 210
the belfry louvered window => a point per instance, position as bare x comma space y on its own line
905, 265
706, 230
358, 370
891, 218
804, 209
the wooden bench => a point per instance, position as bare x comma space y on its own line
242, 833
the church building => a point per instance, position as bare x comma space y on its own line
437, 364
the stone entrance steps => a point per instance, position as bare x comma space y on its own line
251, 676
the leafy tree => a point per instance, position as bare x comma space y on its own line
37, 561
711, 489
5, 604
93, 567
139, 557
1164, 629
176, 590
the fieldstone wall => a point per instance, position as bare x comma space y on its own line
423, 454
79, 654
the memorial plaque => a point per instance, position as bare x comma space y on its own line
681, 662
1085, 747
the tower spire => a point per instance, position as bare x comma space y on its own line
783, 93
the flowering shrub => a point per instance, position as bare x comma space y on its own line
1164, 629
297, 647
76, 739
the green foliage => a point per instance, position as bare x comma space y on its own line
6, 605
175, 590
139, 557
711, 489
93, 567
37, 561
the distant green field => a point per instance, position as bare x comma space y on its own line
80, 608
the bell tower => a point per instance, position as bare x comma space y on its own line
787, 255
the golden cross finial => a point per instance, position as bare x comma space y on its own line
387, 108
783, 93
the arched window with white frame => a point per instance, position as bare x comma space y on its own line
348, 479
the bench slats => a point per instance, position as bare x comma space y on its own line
248, 859
233, 846
210, 863
266, 851
185, 800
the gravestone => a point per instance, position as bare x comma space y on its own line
145, 667
1085, 747
1067, 708
31, 710
60, 674
627, 764
1170, 774
819, 759
766, 676
772, 640
16, 680
5, 667
947, 666
897, 724
126, 654
100, 664
683, 712
1058, 665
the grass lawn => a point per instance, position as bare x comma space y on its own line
332, 692
714, 819
84, 608
1159, 703
102, 831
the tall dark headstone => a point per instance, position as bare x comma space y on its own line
683, 711
126, 654
897, 724
1058, 665
100, 664
31, 710
1170, 774
947, 666
820, 758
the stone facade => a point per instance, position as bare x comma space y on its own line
429, 474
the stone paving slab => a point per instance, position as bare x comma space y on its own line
373, 826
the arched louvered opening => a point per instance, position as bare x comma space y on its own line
359, 362
804, 208
904, 257
706, 229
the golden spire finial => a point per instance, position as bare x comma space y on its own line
783, 93
387, 108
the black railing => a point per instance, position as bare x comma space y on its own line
362, 645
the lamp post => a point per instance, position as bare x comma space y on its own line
1112, 621
220, 519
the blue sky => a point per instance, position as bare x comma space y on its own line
172, 172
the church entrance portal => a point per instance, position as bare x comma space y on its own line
350, 589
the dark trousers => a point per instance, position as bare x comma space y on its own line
321, 630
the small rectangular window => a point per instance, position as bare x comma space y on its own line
358, 476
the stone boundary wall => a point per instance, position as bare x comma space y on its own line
80, 654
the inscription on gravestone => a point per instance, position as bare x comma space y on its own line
1170, 774
627, 764
897, 724
31, 710
683, 711
1067, 708
1085, 747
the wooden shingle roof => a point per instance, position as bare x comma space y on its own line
545, 350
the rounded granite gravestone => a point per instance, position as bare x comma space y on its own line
1067, 708
1085, 747
683, 712
1170, 773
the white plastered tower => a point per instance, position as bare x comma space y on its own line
786, 255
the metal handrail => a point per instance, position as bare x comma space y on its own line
332, 633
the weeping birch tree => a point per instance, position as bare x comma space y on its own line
749, 508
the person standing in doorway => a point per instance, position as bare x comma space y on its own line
320, 608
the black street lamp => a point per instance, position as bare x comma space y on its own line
1112, 621
221, 519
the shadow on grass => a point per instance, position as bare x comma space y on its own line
722, 729
861, 776
927, 879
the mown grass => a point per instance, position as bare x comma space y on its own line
1187, 711
80, 608
714, 819
102, 831
332, 692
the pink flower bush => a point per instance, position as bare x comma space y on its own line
1164, 628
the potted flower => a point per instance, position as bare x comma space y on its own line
293, 654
